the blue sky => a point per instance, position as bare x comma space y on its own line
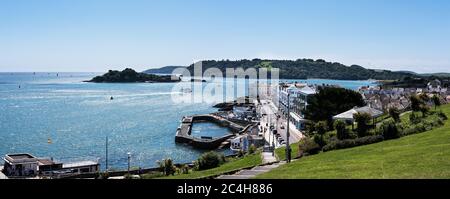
97, 35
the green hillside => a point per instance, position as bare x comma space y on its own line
307, 68
424, 155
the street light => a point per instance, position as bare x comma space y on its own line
288, 150
129, 158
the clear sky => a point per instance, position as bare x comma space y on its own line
97, 35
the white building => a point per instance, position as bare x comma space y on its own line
298, 101
20, 165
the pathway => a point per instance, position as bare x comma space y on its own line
269, 163
251, 173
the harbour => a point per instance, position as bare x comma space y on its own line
77, 116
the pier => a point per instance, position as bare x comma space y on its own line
183, 134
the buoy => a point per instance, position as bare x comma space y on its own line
111, 98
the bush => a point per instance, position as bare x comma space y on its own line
424, 109
414, 119
341, 130
395, 114
167, 167
390, 130
307, 146
252, 149
320, 140
349, 143
240, 153
442, 115
184, 169
321, 127
362, 119
210, 160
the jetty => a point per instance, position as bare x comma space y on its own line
183, 134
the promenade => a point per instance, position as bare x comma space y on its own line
270, 111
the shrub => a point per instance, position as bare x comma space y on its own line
184, 169
252, 149
240, 153
341, 130
416, 102
424, 109
307, 146
390, 130
321, 127
414, 119
442, 115
210, 160
363, 120
320, 140
349, 143
436, 101
167, 167
440, 121
395, 114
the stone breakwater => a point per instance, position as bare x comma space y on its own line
183, 134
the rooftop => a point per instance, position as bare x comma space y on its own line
366, 109
20, 158
79, 164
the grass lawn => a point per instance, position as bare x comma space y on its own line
424, 155
233, 164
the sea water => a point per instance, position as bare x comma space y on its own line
58, 115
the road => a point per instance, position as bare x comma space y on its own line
271, 112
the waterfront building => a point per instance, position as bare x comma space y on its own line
27, 165
298, 101
20, 165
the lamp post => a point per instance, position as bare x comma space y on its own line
288, 150
106, 154
129, 158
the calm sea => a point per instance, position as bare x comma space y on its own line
77, 116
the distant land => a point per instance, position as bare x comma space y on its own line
299, 69
129, 76
163, 70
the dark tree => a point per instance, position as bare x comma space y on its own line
416, 103
395, 114
362, 119
436, 101
341, 130
330, 101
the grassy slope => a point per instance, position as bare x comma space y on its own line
425, 155
247, 161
